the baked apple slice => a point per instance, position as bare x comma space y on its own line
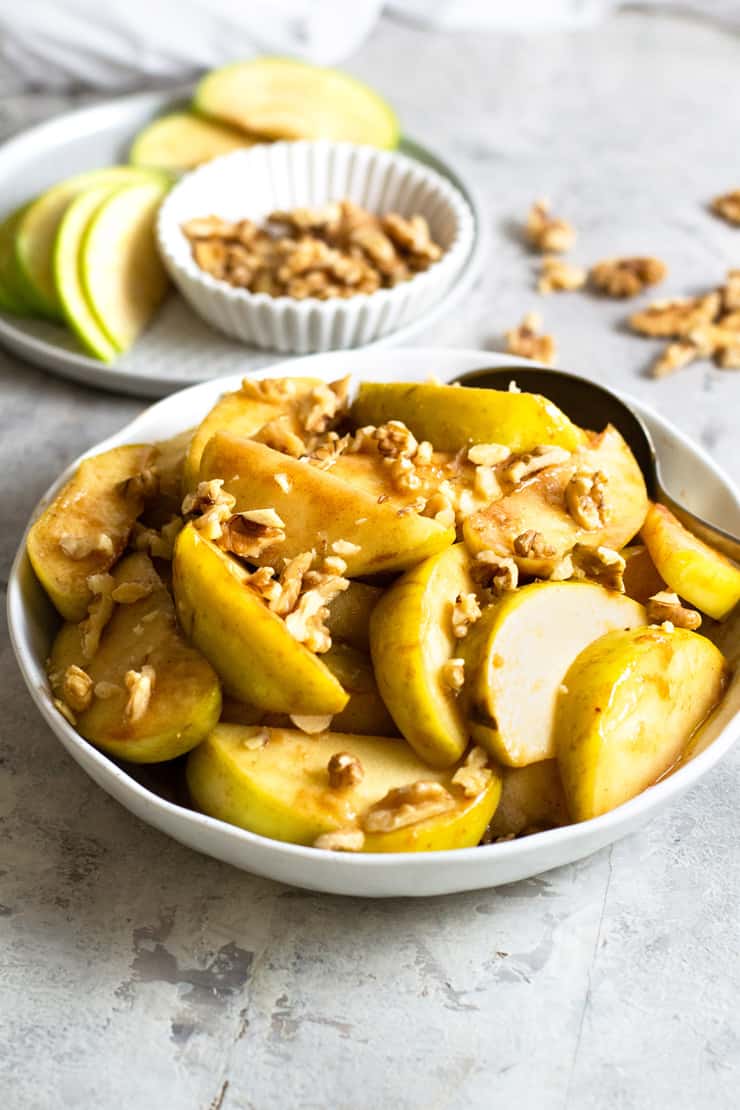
631, 702
360, 793
516, 657
532, 799
86, 527
146, 695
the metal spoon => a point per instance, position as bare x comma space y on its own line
594, 406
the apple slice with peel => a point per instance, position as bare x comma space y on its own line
411, 639
180, 141
275, 782
122, 274
632, 701
245, 411
532, 798
349, 615
539, 507
185, 697
516, 657
692, 569
68, 279
319, 509
250, 647
452, 417
86, 527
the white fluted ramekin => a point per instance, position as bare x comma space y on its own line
252, 183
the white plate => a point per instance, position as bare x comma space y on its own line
178, 349
32, 623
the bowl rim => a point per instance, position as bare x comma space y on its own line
173, 245
579, 834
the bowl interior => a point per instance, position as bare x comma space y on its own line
152, 796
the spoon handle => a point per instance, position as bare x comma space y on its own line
716, 537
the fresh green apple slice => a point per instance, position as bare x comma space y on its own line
630, 704
278, 98
77, 310
181, 140
11, 298
37, 230
516, 657
411, 638
122, 273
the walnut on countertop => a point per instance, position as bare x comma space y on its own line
527, 341
546, 232
558, 276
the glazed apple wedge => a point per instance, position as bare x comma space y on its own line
145, 695
516, 657
691, 568
249, 646
532, 798
319, 509
337, 790
631, 702
411, 641
452, 417
86, 527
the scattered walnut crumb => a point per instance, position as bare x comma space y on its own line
284, 482
474, 775
310, 724
140, 685
79, 547
341, 840
666, 606
585, 498
257, 740
345, 547
345, 771
601, 564
526, 341
65, 711
452, 674
486, 484
546, 232
77, 688
527, 463
532, 545
674, 319
488, 454
465, 612
407, 805
99, 612
558, 276
495, 573
626, 277
728, 206
129, 592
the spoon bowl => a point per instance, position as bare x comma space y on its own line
594, 406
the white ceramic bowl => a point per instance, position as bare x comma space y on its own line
32, 623
252, 183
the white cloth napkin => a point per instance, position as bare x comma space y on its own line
124, 44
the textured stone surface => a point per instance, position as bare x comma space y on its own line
136, 974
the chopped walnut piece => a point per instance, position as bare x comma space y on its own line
626, 277
264, 583
345, 547
324, 405
248, 534
65, 711
728, 358
257, 740
407, 805
290, 583
676, 355
77, 689
557, 276
465, 612
486, 484
526, 341
278, 435
395, 440
731, 291
532, 545
341, 840
585, 499
602, 564
728, 206
545, 232
99, 612
452, 674
306, 623
674, 319
311, 724
488, 454
666, 606
328, 450
527, 463
140, 685
144, 485
345, 771
562, 571
496, 573
284, 481
79, 547
207, 227
211, 505
129, 592
474, 775
411, 235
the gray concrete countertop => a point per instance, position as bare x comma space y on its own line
136, 974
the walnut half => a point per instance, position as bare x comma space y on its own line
626, 277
